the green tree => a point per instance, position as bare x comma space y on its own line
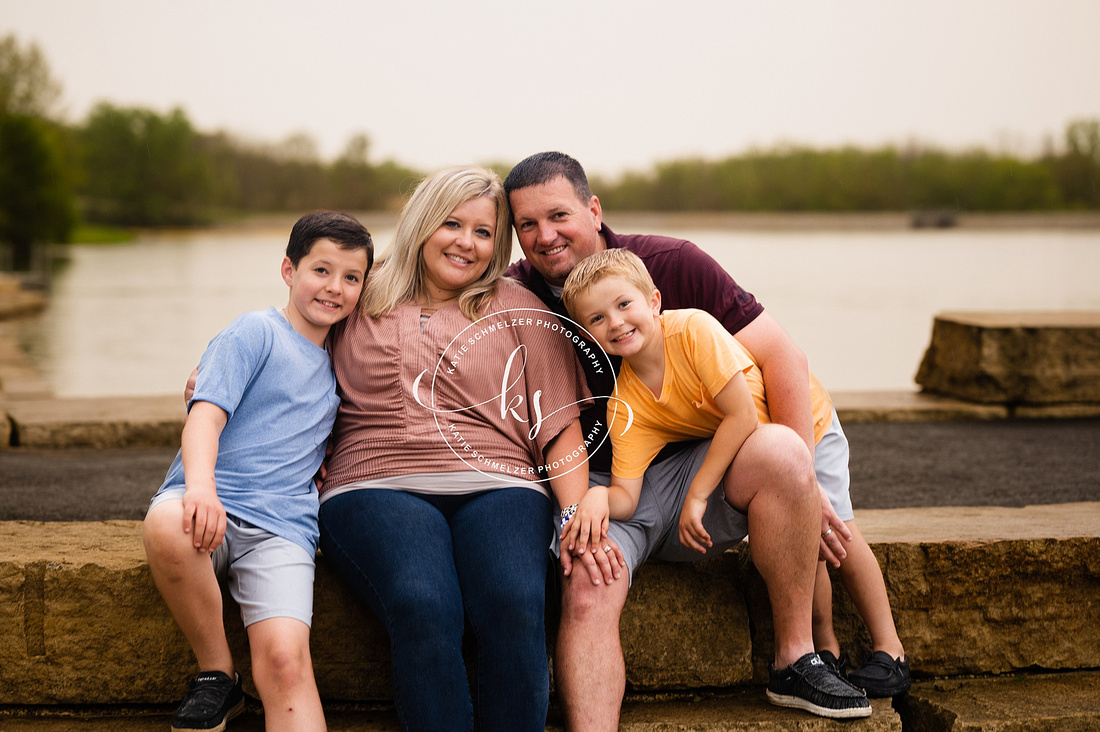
36, 203
36, 200
143, 168
26, 86
1078, 169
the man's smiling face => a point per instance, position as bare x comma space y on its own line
556, 229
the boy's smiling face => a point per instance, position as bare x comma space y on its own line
621, 318
324, 287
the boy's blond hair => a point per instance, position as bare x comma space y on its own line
599, 267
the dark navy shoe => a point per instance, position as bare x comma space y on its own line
882, 675
212, 700
809, 684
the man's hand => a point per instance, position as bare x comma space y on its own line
605, 564
189, 388
832, 531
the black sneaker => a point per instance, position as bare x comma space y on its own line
882, 675
838, 666
810, 685
212, 700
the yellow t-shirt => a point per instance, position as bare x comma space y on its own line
700, 358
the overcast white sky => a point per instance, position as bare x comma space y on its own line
619, 84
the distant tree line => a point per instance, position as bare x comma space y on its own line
137, 167
884, 179
142, 168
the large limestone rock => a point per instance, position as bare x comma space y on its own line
1036, 358
974, 591
81, 622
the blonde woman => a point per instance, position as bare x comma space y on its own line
457, 431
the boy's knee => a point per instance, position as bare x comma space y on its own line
282, 662
164, 541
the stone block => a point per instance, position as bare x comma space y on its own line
687, 626
5, 428
1037, 358
1005, 704
974, 591
81, 622
98, 422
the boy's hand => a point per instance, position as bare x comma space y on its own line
582, 533
692, 533
204, 517
833, 530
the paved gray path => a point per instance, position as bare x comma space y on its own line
1001, 463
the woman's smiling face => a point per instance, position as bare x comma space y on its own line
457, 254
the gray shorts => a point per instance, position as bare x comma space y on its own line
831, 466
653, 530
268, 576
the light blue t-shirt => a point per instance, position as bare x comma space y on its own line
280, 393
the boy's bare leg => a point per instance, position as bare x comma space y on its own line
186, 580
862, 578
772, 480
283, 673
588, 663
824, 634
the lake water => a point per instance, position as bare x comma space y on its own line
133, 319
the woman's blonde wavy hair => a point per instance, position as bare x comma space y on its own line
398, 277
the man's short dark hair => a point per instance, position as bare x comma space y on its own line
345, 230
544, 167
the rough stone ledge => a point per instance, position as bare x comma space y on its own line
744, 711
157, 421
1068, 701
974, 590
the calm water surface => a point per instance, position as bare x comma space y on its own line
133, 319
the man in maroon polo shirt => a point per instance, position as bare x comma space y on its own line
559, 222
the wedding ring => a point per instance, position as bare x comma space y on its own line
607, 549
827, 532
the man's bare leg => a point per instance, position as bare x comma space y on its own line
588, 664
772, 480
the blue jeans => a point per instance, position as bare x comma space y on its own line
423, 564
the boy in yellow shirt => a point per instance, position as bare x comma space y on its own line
684, 377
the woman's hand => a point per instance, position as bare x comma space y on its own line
692, 533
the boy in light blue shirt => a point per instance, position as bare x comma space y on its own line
258, 421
